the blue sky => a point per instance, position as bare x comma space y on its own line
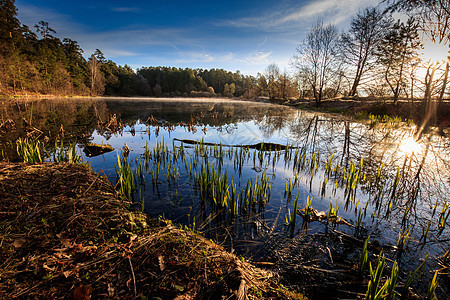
233, 35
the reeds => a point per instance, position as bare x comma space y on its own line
290, 219
364, 257
373, 293
391, 283
412, 275
125, 177
225, 197
432, 287
29, 150
60, 155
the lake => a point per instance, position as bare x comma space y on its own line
238, 172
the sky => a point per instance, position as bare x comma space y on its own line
245, 35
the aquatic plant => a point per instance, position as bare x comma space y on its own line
308, 210
403, 240
373, 293
294, 211
432, 287
125, 176
364, 257
391, 283
29, 150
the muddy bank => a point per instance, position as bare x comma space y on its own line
66, 234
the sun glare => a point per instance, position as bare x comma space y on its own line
434, 51
409, 146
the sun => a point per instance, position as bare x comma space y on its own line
409, 145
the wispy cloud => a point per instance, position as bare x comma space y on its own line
62, 23
126, 9
257, 58
111, 42
249, 59
285, 19
193, 57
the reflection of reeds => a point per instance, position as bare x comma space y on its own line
412, 275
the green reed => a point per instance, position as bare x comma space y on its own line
431, 295
391, 283
364, 257
125, 177
443, 217
29, 150
308, 208
373, 292
294, 212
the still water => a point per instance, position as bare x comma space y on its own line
200, 163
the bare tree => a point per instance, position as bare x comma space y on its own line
359, 44
434, 21
396, 54
317, 59
96, 78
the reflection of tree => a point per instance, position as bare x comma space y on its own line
76, 119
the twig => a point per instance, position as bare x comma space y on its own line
134, 278
329, 253
95, 180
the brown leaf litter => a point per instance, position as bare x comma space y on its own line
65, 233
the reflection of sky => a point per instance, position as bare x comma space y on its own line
323, 134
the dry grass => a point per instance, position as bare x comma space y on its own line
64, 233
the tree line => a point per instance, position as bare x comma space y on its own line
378, 56
36, 61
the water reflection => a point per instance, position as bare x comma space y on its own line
379, 179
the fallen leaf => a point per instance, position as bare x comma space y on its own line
83, 292
67, 274
18, 243
110, 290
162, 264
48, 268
